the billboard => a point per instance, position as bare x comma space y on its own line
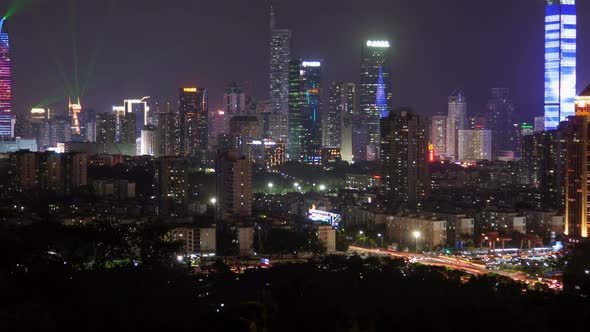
324, 217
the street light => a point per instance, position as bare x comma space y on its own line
381, 236
270, 185
416, 235
322, 187
361, 232
213, 200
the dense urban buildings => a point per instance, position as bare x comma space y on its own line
5, 85
374, 98
220, 208
560, 61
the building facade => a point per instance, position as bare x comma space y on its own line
194, 114
305, 111
456, 120
5, 85
474, 145
560, 61
403, 159
280, 55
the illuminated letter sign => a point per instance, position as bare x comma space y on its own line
377, 43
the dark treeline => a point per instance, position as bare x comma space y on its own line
107, 285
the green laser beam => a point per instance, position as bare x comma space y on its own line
17, 6
100, 39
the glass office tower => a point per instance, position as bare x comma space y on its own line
560, 61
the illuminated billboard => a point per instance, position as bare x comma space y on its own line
324, 217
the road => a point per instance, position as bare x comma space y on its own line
451, 262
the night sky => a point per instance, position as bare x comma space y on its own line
134, 48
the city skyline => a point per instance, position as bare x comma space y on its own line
512, 63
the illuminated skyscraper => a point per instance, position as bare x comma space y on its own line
560, 61
74, 114
456, 120
194, 115
305, 115
280, 55
5, 85
140, 109
375, 96
577, 138
501, 121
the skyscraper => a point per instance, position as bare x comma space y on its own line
438, 135
456, 120
140, 109
375, 96
501, 120
280, 55
234, 100
305, 115
339, 125
5, 85
577, 133
194, 114
560, 61
403, 159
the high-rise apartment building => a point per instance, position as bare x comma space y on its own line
474, 145
438, 135
375, 96
173, 186
168, 134
106, 127
280, 55
560, 61
456, 120
305, 115
5, 85
403, 159
194, 125
234, 186
149, 141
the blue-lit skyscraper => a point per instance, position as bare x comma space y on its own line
560, 61
375, 99
5, 85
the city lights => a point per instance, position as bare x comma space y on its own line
378, 43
